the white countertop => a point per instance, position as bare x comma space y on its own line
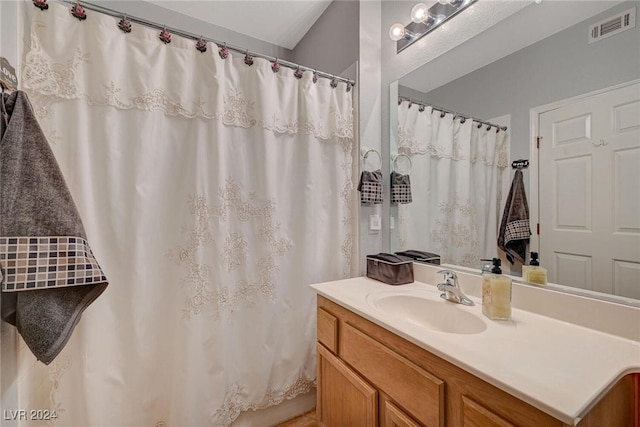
558, 367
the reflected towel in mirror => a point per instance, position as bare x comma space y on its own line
400, 188
513, 236
370, 187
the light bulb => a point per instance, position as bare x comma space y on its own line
396, 32
419, 13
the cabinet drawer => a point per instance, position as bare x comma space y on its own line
328, 330
421, 393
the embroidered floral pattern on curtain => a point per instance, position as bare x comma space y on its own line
216, 192
458, 180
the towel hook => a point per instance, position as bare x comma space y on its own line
365, 152
395, 163
520, 164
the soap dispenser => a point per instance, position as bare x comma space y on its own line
486, 284
533, 273
496, 293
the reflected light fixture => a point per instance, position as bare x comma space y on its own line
424, 20
419, 13
396, 32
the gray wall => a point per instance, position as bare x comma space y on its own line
9, 31
331, 44
559, 67
369, 108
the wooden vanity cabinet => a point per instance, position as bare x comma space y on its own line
368, 376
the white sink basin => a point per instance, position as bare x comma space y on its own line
435, 314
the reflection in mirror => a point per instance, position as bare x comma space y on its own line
578, 89
458, 173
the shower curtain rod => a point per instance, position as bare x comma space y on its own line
188, 35
455, 114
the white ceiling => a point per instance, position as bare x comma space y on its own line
279, 22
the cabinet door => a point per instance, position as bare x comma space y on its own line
344, 399
421, 394
394, 417
476, 415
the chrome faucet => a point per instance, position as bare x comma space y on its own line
451, 289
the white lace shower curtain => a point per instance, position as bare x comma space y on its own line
458, 181
212, 193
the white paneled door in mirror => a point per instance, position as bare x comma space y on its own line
589, 169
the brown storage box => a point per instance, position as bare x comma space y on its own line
390, 269
421, 256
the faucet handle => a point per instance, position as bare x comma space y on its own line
449, 275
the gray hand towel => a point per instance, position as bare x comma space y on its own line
49, 274
370, 187
400, 188
513, 236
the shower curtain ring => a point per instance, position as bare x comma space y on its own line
201, 45
223, 51
41, 4
165, 36
125, 24
248, 59
78, 11
275, 67
298, 74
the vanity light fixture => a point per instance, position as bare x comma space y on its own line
396, 32
399, 32
424, 20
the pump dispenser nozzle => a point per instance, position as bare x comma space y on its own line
534, 259
496, 266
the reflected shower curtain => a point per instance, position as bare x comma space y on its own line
215, 192
458, 178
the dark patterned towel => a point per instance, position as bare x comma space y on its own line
370, 187
49, 275
400, 188
513, 236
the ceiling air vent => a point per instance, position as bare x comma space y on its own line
613, 25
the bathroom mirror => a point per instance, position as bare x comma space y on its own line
546, 57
